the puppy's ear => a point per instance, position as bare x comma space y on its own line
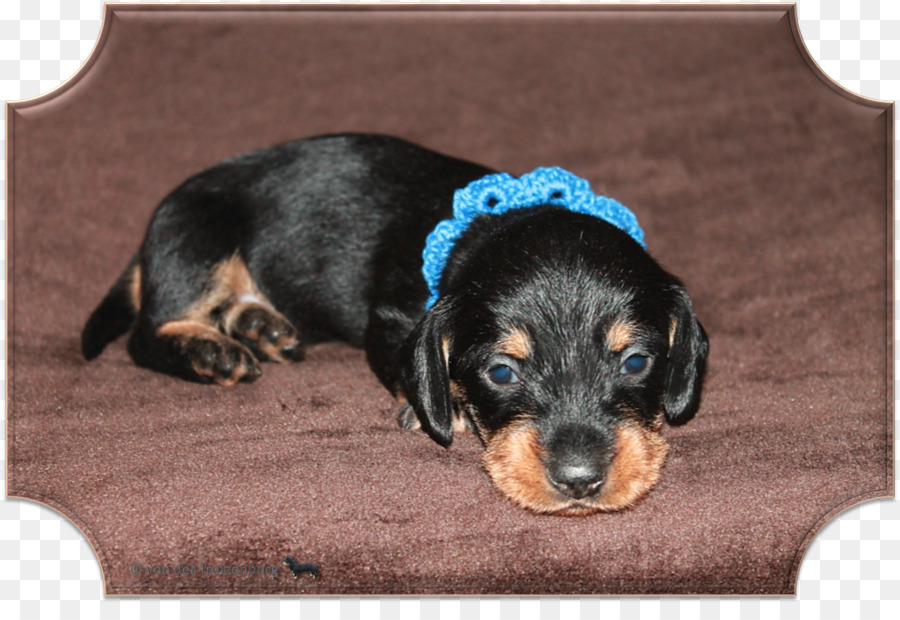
688, 349
425, 376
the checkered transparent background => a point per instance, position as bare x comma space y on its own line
47, 569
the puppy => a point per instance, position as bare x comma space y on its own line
552, 333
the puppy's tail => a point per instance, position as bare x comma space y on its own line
116, 313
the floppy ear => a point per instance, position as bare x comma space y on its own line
425, 375
688, 349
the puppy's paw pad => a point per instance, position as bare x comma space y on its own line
222, 361
268, 334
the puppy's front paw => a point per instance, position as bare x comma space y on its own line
406, 418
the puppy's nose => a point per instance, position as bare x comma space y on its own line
578, 480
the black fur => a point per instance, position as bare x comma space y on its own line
113, 317
331, 230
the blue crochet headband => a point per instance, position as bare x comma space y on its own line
495, 194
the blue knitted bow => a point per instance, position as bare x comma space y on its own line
495, 194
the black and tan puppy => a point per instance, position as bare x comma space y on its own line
556, 337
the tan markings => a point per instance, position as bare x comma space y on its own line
406, 417
230, 317
463, 411
232, 275
445, 348
232, 379
187, 328
619, 335
457, 393
409, 420
232, 291
477, 424
673, 327
186, 331
513, 459
134, 287
459, 420
636, 468
229, 281
229, 292
515, 343
272, 350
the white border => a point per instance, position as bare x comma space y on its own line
852, 565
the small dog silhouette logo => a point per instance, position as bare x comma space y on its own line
298, 568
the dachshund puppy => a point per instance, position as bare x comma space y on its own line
549, 331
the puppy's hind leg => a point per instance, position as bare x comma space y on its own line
200, 352
179, 329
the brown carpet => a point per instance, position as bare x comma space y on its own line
762, 185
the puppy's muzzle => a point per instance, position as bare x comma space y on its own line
575, 472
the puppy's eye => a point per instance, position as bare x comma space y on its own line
634, 364
502, 375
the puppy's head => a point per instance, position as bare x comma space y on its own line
566, 347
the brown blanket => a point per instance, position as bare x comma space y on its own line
759, 182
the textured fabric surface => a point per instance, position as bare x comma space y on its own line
755, 181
